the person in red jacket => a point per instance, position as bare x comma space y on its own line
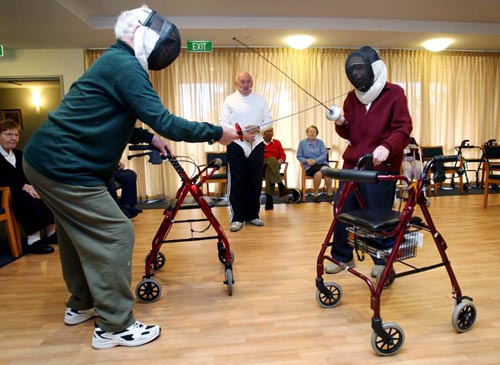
375, 121
274, 156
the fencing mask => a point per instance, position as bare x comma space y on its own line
358, 67
157, 42
367, 72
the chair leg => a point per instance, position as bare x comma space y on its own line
14, 238
486, 192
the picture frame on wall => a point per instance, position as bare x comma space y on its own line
14, 114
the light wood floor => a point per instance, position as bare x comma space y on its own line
272, 316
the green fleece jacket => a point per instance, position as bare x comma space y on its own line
82, 141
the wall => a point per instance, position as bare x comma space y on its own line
21, 98
67, 63
43, 62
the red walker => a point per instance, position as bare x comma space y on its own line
391, 235
148, 289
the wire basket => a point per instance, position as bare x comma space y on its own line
380, 247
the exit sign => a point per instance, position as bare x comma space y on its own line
199, 46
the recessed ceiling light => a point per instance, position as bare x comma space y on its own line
299, 41
437, 44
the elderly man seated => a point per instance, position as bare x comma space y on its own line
274, 156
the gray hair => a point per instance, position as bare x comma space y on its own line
128, 21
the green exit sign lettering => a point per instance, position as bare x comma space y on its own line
199, 46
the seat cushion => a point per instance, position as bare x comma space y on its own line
374, 219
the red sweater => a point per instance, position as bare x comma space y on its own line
274, 148
387, 123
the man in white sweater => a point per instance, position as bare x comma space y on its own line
245, 156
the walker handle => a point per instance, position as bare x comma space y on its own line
362, 176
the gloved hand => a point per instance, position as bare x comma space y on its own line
380, 154
334, 113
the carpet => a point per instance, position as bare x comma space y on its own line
223, 201
218, 201
468, 190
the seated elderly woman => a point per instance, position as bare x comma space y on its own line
313, 155
31, 212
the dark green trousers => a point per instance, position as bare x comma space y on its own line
96, 241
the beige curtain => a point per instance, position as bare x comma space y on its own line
451, 96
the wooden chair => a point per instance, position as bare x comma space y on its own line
283, 173
7, 216
491, 169
283, 170
304, 178
220, 176
428, 152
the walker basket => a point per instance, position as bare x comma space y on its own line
381, 247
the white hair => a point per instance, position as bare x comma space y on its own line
128, 21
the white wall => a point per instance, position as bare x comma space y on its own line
67, 63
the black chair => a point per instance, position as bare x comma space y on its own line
220, 177
473, 157
455, 169
491, 169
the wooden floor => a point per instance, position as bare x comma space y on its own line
272, 316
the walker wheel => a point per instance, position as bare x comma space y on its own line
229, 281
222, 255
391, 345
464, 316
333, 297
160, 260
148, 290
389, 280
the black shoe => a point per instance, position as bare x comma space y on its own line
284, 191
51, 240
40, 248
317, 199
128, 213
131, 209
137, 210
269, 202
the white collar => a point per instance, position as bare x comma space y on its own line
5, 153
380, 78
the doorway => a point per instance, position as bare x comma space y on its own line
28, 101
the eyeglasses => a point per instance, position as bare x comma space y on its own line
11, 135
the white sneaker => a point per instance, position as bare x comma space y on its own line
135, 335
376, 270
236, 226
74, 316
256, 222
335, 269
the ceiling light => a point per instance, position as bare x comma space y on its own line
299, 41
437, 44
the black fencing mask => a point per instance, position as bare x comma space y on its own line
167, 46
358, 68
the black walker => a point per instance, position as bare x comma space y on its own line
149, 289
391, 235
471, 156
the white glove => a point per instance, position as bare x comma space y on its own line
380, 154
334, 113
